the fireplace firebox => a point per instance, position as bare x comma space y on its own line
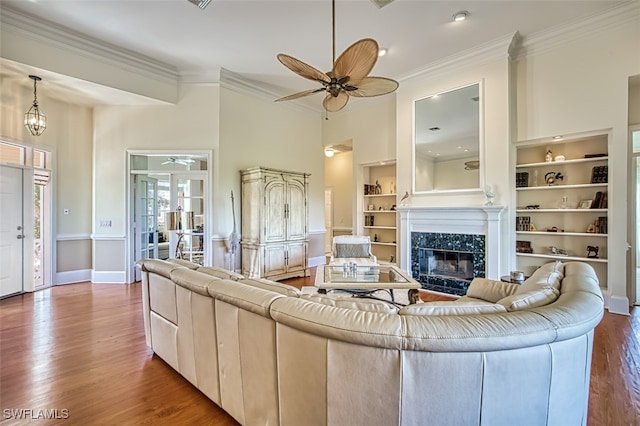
447, 263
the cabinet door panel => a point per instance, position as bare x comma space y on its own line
296, 256
274, 260
274, 198
296, 221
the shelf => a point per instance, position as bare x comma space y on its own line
380, 227
568, 234
556, 257
379, 243
561, 210
575, 186
551, 163
379, 211
379, 195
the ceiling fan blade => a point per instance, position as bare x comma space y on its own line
300, 94
302, 69
357, 61
335, 103
374, 86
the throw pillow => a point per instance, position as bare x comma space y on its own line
352, 250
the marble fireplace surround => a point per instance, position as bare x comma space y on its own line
482, 220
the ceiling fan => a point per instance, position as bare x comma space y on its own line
183, 161
349, 75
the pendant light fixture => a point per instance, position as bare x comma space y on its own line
34, 120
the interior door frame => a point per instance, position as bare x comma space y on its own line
633, 215
129, 233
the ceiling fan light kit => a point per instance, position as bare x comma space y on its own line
349, 75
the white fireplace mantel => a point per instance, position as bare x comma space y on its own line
481, 220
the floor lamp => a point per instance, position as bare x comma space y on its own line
179, 221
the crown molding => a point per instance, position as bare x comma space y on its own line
64, 38
546, 40
238, 83
476, 56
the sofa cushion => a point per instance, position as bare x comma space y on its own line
220, 273
348, 302
490, 290
183, 262
530, 299
352, 250
286, 289
452, 308
549, 274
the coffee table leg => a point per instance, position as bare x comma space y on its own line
413, 295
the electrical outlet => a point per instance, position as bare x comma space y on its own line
105, 223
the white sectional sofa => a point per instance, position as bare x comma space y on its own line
268, 355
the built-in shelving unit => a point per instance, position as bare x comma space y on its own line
380, 220
565, 217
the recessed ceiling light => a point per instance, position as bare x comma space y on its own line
382, 51
460, 16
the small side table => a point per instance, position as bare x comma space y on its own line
507, 279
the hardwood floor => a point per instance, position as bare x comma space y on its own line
78, 352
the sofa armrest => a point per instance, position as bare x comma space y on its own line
490, 290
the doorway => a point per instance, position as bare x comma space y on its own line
634, 133
162, 182
26, 246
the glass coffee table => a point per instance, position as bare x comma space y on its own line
363, 281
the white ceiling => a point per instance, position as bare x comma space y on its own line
244, 36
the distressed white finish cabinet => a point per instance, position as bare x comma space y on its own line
275, 218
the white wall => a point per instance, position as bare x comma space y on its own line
192, 123
259, 132
68, 137
339, 177
582, 86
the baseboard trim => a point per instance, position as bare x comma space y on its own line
618, 305
108, 277
71, 277
317, 261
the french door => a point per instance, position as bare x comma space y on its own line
146, 219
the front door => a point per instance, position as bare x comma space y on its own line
11, 230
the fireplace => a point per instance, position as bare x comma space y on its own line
444, 248
445, 262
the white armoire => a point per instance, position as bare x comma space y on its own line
275, 223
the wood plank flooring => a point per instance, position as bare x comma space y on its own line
79, 349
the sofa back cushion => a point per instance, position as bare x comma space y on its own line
542, 288
549, 274
352, 250
220, 273
452, 308
184, 263
286, 289
348, 302
529, 299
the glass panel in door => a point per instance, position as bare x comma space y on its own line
146, 218
190, 195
